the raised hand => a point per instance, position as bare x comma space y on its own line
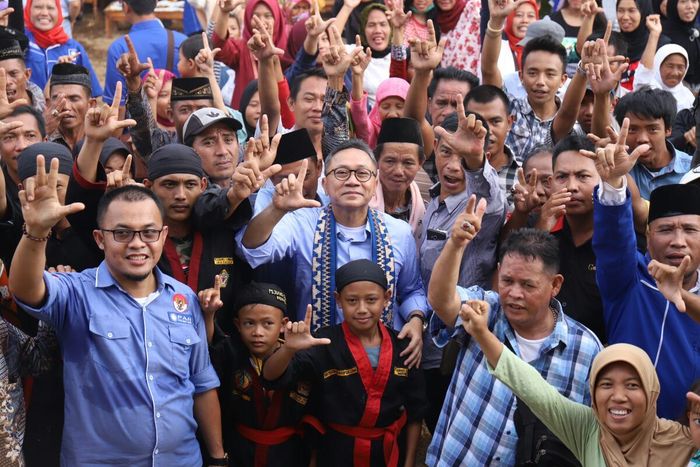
553, 209
337, 60
690, 137
210, 299
525, 195
500, 9
257, 165
64, 268
7, 107
289, 193
297, 336
131, 67
227, 6
362, 59
613, 162
120, 178
468, 223
590, 8
5, 128
102, 120
602, 142
315, 25
426, 55
352, 4
669, 280
397, 16
41, 208
595, 60
475, 317
469, 139
153, 82
654, 24
260, 43
70, 58
5, 16
205, 57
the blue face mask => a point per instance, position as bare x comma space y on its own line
427, 10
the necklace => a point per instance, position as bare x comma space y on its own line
555, 314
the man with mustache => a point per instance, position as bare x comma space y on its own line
70, 90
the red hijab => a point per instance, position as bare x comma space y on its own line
447, 20
512, 39
281, 28
45, 39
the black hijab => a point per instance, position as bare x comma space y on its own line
247, 95
637, 39
687, 36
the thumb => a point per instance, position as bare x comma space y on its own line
481, 208
270, 171
679, 302
683, 267
638, 151
72, 209
321, 341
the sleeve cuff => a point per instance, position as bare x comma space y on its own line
205, 380
611, 196
85, 184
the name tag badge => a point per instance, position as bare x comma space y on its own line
182, 318
222, 261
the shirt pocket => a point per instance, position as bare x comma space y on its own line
182, 338
111, 343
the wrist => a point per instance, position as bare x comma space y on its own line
36, 233
496, 23
615, 182
336, 82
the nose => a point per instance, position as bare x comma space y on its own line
678, 240
21, 144
515, 291
642, 137
257, 330
220, 147
619, 393
180, 192
540, 79
572, 184
136, 243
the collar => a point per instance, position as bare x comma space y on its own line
339, 232
526, 109
512, 161
452, 202
148, 24
104, 278
557, 338
677, 164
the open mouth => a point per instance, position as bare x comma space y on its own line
137, 260
619, 414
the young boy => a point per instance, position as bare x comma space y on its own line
365, 394
260, 427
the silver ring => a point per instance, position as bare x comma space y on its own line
466, 225
54, 113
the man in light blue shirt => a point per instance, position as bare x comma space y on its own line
319, 240
138, 380
651, 113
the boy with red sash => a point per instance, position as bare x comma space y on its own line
260, 427
370, 403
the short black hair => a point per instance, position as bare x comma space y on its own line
487, 93
129, 193
352, 143
191, 46
451, 73
301, 77
571, 143
142, 7
25, 109
647, 103
544, 44
532, 244
536, 151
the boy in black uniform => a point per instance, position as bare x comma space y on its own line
364, 394
260, 427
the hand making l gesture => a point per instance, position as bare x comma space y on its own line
102, 120
297, 335
131, 67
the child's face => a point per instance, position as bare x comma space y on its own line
362, 304
185, 66
163, 100
694, 421
259, 326
234, 29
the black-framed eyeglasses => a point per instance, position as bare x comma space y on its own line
362, 175
126, 235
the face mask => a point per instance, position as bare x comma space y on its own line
427, 10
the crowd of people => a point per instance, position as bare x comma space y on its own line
278, 237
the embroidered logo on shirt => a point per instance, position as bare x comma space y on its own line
180, 302
335, 372
226, 260
398, 371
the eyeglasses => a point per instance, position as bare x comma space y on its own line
126, 235
362, 175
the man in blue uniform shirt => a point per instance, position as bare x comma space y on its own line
136, 365
635, 311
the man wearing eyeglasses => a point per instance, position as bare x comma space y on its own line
138, 379
321, 239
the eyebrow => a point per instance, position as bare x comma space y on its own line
129, 227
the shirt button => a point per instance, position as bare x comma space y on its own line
157, 414
187, 340
150, 344
109, 334
156, 451
508, 432
150, 377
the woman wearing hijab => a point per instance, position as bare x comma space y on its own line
375, 33
48, 43
250, 108
235, 53
516, 26
620, 429
631, 17
158, 86
459, 22
679, 28
390, 100
664, 68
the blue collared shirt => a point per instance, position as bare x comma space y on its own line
647, 180
150, 39
130, 371
41, 61
293, 238
476, 422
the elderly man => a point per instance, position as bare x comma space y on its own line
476, 426
319, 240
18, 85
635, 311
70, 89
138, 378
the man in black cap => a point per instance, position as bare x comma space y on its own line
70, 90
635, 311
18, 85
260, 427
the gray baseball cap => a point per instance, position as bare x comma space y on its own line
543, 27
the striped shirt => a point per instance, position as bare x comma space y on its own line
476, 423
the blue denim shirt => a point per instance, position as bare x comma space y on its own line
647, 181
130, 371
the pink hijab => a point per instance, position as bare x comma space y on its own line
390, 87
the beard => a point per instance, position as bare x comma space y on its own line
136, 277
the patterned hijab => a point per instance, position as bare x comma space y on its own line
656, 442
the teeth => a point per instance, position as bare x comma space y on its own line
619, 412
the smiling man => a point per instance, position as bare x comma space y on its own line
651, 113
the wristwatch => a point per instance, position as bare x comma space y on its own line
420, 317
218, 461
580, 69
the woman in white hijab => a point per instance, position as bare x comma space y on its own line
664, 68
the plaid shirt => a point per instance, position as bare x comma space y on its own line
508, 176
476, 423
528, 130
